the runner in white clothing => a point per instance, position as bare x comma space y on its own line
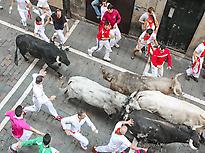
72, 126
146, 41
118, 142
145, 16
197, 61
44, 7
103, 7
40, 98
40, 27
23, 7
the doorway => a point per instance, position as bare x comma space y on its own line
179, 22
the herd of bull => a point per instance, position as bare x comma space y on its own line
158, 117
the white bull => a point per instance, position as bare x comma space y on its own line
172, 109
94, 94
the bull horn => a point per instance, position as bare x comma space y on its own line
134, 94
191, 145
58, 59
175, 91
177, 75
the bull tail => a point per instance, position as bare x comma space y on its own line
16, 56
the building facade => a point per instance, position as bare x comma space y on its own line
182, 22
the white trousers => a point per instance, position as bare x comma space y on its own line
157, 72
23, 14
26, 136
100, 44
60, 35
109, 148
37, 106
115, 32
43, 36
78, 136
82, 139
189, 71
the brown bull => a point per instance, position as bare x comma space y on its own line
127, 83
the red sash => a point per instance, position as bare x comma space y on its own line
118, 131
140, 151
29, 12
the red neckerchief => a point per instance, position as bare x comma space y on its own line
118, 132
150, 23
146, 37
37, 23
203, 53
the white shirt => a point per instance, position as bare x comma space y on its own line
38, 93
40, 28
150, 40
200, 48
103, 9
118, 140
145, 16
22, 5
72, 123
42, 3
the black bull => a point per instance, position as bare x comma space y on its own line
151, 128
41, 50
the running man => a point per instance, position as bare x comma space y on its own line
157, 61
21, 131
23, 7
114, 18
40, 98
118, 141
197, 61
41, 142
72, 126
39, 29
146, 41
59, 22
103, 37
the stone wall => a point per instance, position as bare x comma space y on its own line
78, 8
56, 3
141, 7
199, 37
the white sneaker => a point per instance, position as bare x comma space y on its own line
107, 59
90, 52
117, 46
84, 147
